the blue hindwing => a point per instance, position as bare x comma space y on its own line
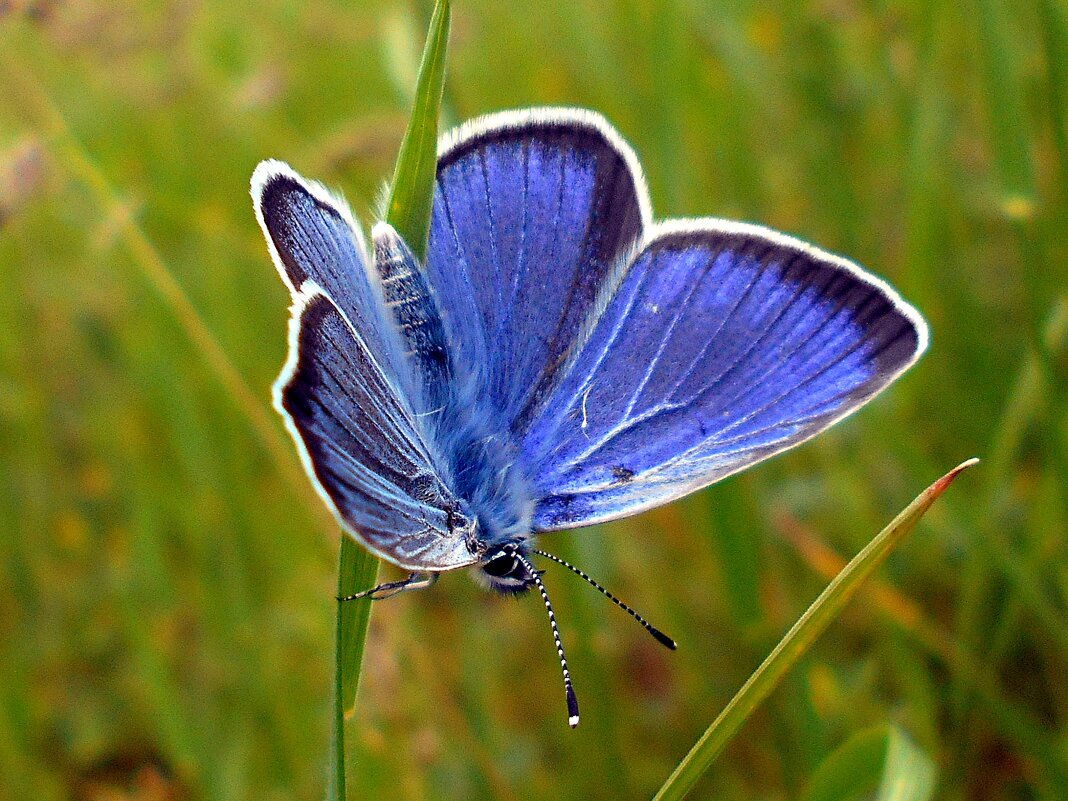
367, 454
725, 344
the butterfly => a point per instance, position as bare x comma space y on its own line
560, 359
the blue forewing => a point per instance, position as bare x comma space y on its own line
533, 215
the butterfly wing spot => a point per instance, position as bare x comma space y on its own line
622, 475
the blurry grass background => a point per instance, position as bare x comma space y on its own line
166, 594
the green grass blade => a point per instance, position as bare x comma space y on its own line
412, 192
1001, 58
798, 640
908, 774
882, 758
409, 212
855, 766
1054, 18
357, 571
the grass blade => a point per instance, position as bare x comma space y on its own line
357, 571
1028, 733
409, 212
857, 763
412, 193
908, 773
882, 759
798, 640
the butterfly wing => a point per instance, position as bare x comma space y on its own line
312, 236
725, 344
342, 391
534, 212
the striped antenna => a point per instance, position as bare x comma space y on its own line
569, 690
662, 638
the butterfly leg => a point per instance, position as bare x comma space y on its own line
415, 581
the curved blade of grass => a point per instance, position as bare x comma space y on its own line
798, 640
409, 212
412, 192
909, 773
1028, 733
883, 758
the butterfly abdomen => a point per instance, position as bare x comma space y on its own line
485, 470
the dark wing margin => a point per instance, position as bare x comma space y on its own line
725, 344
360, 443
535, 213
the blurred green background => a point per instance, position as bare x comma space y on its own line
166, 595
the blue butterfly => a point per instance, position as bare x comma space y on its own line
560, 359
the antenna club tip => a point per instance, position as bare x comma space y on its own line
572, 708
663, 639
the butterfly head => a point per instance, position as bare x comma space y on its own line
507, 569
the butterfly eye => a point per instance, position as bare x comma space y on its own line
501, 565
